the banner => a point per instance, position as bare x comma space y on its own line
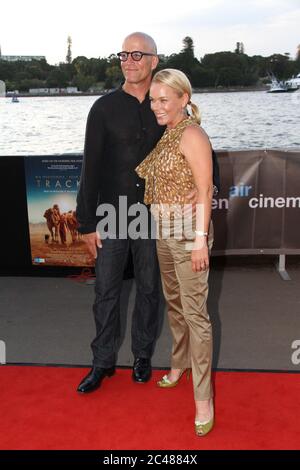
51, 186
258, 208
256, 212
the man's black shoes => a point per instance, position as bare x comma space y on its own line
141, 370
141, 373
93, 380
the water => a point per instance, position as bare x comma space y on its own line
241, 120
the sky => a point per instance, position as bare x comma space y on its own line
97, 28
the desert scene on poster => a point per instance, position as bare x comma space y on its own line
52, 185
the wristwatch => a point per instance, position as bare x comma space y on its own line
201, 233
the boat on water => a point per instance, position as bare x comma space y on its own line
294, 81
281, 87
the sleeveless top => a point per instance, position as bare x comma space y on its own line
168, 176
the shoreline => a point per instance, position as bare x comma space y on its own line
195, 90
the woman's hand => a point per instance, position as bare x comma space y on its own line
200, 256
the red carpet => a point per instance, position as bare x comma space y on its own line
40, 409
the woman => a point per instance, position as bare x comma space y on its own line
181, 162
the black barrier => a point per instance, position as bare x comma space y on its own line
14, 233
256, 212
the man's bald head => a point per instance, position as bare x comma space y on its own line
144, 39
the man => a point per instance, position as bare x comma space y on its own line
121, 131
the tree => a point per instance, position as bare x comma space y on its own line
82, 65
98, 69
188, 46
7, 70
57, 79
113, 76
184, 61
83, 82
298, 54
202, 77
68, 69
230, 76
218, 69
25, 85
230, 69
279, 65
239, 48
69, 53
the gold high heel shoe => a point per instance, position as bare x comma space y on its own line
166, 383
204, 427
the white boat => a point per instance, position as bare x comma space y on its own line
294, 82
281, 87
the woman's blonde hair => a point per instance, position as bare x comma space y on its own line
180, 83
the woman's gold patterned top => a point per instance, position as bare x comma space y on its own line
168, 176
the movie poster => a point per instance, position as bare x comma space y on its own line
52, 184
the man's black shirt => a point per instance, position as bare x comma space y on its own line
120, 133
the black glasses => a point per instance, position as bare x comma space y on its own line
136, 55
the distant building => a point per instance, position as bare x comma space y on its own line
53, 91
72, 89
24, 58
39, 91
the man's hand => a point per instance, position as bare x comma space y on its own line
92, 241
